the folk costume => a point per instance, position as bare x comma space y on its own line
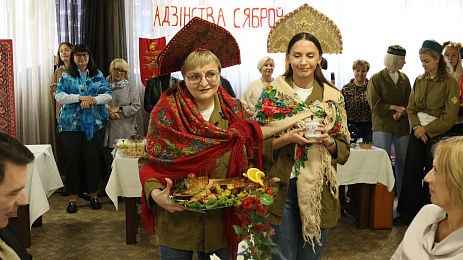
181, 141
314, 166
252, 94
279, 109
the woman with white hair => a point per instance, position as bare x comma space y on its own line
387, 93
252, 93
436, 232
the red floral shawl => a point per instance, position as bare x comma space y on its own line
180, 141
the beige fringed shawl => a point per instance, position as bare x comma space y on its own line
279, 110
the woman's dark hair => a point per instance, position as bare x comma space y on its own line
73, 69
58, 60
318, 74
13, 151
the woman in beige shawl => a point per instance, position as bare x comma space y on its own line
307, 204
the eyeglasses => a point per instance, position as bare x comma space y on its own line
119, 71
453, 56
196, 78
81, 55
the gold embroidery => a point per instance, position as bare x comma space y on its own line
304, 19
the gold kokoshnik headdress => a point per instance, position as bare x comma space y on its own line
196, 35
305, 19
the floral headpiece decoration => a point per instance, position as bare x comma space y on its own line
454, 44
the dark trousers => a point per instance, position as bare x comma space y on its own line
83, 157
418, 162
108, 161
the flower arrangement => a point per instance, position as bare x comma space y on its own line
255, 229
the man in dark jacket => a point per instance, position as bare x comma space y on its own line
227, 86
154, 89
14, 158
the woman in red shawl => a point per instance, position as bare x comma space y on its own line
195, 128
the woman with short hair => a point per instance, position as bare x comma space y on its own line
249, 98
437, 230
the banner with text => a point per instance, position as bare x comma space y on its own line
250, 17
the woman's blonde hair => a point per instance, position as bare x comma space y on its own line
120, 64
262, 61
457, 70
199, 58
392, 61
448, 154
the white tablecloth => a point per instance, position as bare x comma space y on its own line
43, 179
367, 166
124, 180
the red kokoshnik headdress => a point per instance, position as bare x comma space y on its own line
195, 35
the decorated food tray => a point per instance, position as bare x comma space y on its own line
131, 147
202, 193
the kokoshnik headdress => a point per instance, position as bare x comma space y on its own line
195, 35
305, 19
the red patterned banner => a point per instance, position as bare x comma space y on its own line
149, 51
7, 106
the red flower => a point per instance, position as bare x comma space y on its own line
268, 111
299, 153
258, 228
255, 229
267, 102
261, 209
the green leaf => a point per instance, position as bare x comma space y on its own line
266, 199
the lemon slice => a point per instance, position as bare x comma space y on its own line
255, 175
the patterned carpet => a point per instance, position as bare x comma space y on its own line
90, 234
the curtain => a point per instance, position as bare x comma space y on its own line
31, 24
105, 31
70, 23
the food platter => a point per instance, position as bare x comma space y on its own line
131, 152
130, 148
202, 194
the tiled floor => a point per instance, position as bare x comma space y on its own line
90, 234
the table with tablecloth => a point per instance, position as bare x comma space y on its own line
369, 174
124, 181
43, 179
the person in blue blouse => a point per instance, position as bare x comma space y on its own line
83, 91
